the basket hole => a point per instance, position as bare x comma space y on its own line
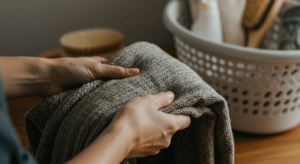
298, 90
240, 65
222, 69
293, 108
214, 59
226, 97
249, 75
286, 102
265, 113
222, 77
207, 65
200, 54
207, 57
209, 82
245, 111
256, 94
202, 69
235, 100
272, 76
234, 90
259, 76
298, 64
255, 112
295, 100
245, 92
209, 73
200, 62
251, 67
216, 75
277, 104
263, 68
283, 74
239, 73
235, 109
275, 68
275, 112
295, 71
287, 67
214, 67
222, 62
289, 92
256, 103
281, 84
230, 80
229, 72
267, 94
224, 87
230, 64
266, 104
186, 47
194, 59
284, 111
245, 102
238, 81
193, 51
278, 94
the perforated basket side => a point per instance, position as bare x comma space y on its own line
263, 95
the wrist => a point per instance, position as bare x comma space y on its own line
24, 76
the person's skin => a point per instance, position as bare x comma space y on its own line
138, 129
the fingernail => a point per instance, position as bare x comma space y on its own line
134, 71
170, 94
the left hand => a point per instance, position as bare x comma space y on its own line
70, 72
35, 76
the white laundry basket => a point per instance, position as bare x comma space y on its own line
262, 87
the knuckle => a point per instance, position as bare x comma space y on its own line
97, 69
118, 70
165, 99
154, 152
166, 144
172, 128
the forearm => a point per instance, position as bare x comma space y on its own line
24, 76
111, 147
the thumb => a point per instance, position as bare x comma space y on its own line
164, 99
111, 71
183, 121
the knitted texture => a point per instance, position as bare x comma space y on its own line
61, 126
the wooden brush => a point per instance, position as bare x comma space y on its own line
258, 18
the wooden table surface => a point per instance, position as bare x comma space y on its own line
249, 149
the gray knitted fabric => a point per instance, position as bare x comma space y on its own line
61, 126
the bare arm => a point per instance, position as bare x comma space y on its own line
35, 76
138, 129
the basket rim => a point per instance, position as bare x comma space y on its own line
197, 41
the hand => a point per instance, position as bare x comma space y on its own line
150, 129
71, 72
35, 76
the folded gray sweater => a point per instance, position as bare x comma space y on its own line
61, 126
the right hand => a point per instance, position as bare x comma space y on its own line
150, 129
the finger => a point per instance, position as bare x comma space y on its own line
111, 71
96, 58
182, 121
164, 99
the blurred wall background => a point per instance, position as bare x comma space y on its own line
30, 27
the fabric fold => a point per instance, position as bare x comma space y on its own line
61, 126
